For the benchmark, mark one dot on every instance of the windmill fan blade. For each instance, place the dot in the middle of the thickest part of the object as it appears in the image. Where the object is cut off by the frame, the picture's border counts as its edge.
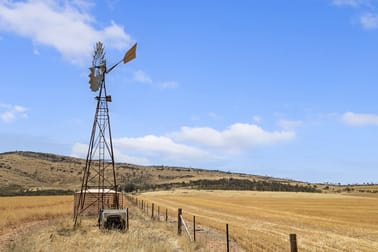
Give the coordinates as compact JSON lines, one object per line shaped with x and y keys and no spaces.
{"x":94,"y":80}
{"x":94,"y":86}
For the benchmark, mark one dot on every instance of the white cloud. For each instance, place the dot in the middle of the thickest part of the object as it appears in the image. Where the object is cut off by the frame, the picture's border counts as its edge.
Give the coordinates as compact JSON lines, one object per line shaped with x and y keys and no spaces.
{"x":142,"y":77}
{"x":256,"y":119}
{"x":10,"y":113}
{"x":289,"y":124}
{"x":353,"y":3}
{"x":238,"y":136}
{"x":354,"y":119}
{"x":161,"y":145}
{"x":369,"y":21}
{"x":192,"y":145}
{"x":121,"y":157}
{"x":169,"y":84}
{"x":36,"y":52}
{"x":80,"y":150}
{"x":214,"y":116}
{"x":63,"y":25}
{"x":112,"y":4}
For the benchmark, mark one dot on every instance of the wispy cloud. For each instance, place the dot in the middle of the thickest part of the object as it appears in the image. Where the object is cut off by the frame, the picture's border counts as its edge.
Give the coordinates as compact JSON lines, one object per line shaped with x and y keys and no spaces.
{"x":369,"y":17}
{"x":355,"y":119}
{"x":214,"y":116}
{"x":369,"y":20}
{"x":142,"y":77}
{"x":256,"y":118}
{"x":10,"y":113}
{"x":168,"y":84}
{"x":59,"y":24}
{"x":289,"y":124}
{"x":353,"y":3}
{"x":36,"y":52}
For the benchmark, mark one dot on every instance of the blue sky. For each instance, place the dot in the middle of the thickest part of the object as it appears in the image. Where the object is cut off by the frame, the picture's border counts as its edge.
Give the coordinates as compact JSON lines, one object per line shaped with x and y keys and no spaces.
{"x":279,"y":88}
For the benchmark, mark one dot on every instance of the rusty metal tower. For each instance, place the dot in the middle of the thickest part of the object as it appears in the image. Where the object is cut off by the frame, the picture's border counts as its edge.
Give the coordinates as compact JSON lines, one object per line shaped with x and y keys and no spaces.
{"x":99,"y":175}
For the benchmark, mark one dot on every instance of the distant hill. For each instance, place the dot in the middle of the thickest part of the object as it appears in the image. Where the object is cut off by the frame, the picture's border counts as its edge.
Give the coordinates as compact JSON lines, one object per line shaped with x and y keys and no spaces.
{"x":32,"y":173}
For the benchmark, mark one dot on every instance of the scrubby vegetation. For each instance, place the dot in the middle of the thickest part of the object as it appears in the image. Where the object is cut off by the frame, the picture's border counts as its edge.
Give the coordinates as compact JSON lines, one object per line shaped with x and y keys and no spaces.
{"x":225,"y":184}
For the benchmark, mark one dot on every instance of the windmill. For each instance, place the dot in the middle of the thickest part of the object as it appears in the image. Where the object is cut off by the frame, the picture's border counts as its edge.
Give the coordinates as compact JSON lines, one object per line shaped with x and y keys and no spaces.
{"x":99,"y":185}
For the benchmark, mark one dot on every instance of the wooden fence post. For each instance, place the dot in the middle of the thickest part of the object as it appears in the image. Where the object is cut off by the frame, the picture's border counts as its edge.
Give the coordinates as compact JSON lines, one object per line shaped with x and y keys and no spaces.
{"x":194,"y":228}
{"x":152,"y":210}
{"x":179,"y":222}
{"x":227,"y":239}
{"x":127,"y":219}
{"x":166,"y":215}
{"x":293,"y":243}
{"x":158,"y":216}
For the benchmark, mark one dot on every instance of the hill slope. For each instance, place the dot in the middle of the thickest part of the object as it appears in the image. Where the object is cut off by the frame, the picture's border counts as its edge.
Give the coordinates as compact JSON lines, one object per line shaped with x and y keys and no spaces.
{"x":31,"y":171}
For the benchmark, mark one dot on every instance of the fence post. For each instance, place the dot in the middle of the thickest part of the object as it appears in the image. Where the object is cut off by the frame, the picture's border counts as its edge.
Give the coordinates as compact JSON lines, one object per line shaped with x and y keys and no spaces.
{"x":179,"y":222}
{"x":158,"y":216}
{"x":228,"y":241}
{"x":194,"y":228}
{"x":127,"y":219}
{"x":142,"y":205}
{"x":147,"y":209}
{"x":166,"y":215}
{"x":152,"y":210}
{"x":293,"y":243}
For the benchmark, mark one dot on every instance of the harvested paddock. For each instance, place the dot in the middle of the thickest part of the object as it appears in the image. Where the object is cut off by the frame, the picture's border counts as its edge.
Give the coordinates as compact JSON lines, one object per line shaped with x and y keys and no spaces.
{"x":15,"y":211}
{"x":262,"y":221}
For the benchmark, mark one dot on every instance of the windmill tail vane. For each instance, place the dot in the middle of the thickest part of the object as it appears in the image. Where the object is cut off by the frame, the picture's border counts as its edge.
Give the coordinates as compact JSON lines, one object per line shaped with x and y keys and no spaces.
{"x":129,"y":56}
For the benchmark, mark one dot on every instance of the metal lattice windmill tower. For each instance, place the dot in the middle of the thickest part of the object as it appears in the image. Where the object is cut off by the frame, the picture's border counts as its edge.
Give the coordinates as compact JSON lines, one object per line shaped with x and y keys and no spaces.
{"x":99,"y":175}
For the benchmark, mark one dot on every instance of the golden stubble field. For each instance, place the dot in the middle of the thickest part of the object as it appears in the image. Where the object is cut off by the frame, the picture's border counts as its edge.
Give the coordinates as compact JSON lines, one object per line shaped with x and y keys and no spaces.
{"x":262,"y":221}
{"x":16,"y":211}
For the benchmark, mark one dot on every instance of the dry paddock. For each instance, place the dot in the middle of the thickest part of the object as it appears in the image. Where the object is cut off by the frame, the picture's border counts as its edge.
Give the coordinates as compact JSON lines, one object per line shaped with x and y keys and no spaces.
{"x":262,"y":221}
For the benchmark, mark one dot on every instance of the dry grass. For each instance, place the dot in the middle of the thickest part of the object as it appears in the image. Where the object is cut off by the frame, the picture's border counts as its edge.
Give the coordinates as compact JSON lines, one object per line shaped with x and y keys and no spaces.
{"x":14,"y":211}
{"x":59,"y":236}
{"x":262,"y":221}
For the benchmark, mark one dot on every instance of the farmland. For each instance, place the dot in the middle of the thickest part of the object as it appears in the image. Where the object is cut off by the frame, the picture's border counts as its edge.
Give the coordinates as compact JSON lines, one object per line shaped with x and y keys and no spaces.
{"x":44,"y":223}
{"x":262,"y":221}
{"x":341,"y":218}
{"x":258,"y":221}
{"x":18,"y":210}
